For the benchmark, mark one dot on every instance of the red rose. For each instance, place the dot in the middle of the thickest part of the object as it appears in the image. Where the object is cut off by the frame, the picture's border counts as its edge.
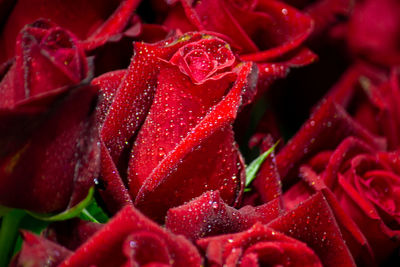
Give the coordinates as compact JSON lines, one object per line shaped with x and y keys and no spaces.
{"x":305,"y":236}
{"x":258,"y":246}
{"x":47,"y":124}
{"x":360,"y":109}
{"x":361,"y":104}
{"x":208,"y":215}
{"x":176,"y":103}
{"x":130,"y":239}
{"x":266,"y":32}
{"x":94,"y":22}
{"x":365,"y":183}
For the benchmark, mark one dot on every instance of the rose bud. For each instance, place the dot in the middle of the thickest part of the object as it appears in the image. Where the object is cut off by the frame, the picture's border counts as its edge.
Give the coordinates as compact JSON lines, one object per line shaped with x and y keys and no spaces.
{"x":131,"y":239}
{"x":94,"y":22}
{"x":47,"y":123}
{"x":306,"y":236}
{"x":269,"y":33}
{"x":172,"y":113}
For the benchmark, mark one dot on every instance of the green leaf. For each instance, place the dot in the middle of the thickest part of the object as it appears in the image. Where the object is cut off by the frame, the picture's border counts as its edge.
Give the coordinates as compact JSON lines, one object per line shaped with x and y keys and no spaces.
{"x":94,"y":213}
{"x":68,"y":214}
{"x":9,"y":233}
{"x":4,"y":210}
{"x":254,"y":166}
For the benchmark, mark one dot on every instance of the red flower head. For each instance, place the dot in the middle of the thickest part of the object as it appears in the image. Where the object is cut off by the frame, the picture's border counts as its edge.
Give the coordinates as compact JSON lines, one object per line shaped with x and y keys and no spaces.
{"x":177,"y":103}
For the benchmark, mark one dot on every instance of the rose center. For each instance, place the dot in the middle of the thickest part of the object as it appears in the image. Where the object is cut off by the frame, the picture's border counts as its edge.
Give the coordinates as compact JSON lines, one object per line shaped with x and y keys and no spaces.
{"x":199,"y":64}
{"x":382,"y":190}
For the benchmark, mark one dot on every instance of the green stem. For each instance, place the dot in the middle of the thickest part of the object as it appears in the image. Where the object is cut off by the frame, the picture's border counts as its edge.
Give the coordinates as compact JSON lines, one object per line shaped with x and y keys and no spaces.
{"x":8,"y":234}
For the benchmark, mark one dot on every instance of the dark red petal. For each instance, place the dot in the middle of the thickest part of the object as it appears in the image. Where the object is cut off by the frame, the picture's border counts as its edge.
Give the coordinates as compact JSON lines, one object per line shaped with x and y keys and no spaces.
{"x":313,"y":223}
{"x":114,"y":192}
{"x":347,"y":149}
{"x":375,"y":42}
{"x":50,"y":151}
{"x":105,"y":248}
{"x":144,"y":247}
{"x":208,"y":215}
{"x":135,"y":94}
{"x":355,"y":239}
{"x":224,"y":22}
{"x":269,"y":72}
{"x":288,"y":30}
{"x":327,"y":13}
{"x":108,"y":84}
{"x":259,"y":243}
{"x":113,"y":25}
{"x":382,"y":239}
{"x":36,"y":251}
{"x":325,"y":129}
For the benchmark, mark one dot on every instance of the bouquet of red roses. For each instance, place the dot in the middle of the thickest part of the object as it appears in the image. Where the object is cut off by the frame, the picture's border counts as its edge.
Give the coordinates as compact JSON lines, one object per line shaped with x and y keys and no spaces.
{"x":199,"y":133}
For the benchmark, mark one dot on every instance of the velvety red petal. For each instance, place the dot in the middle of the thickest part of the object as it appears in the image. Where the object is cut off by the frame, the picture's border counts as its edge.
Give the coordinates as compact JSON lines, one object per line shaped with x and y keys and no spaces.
{"x":108,"y":84}
{"x":269,"y":72}
{"x":355,"y":239}
{"x":327,"y":13}
{"x":113,"y":25}
{"x":325,"y":129}
{"x":135,"y":94}
{"x":288,"y":30}
{"x":208,"y":215}
{"x":114,"y":192}
{"x":258,"y":244}
{"x":105,"y":248}
{"x":312,"y":222}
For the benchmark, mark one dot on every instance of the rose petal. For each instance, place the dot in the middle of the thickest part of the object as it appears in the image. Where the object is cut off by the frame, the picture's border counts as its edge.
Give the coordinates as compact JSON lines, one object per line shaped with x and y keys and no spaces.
{"x":258,"y":244}
{"x":105,"y":248}
{"x":313,"y":223}
{"x":208,"y":215}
